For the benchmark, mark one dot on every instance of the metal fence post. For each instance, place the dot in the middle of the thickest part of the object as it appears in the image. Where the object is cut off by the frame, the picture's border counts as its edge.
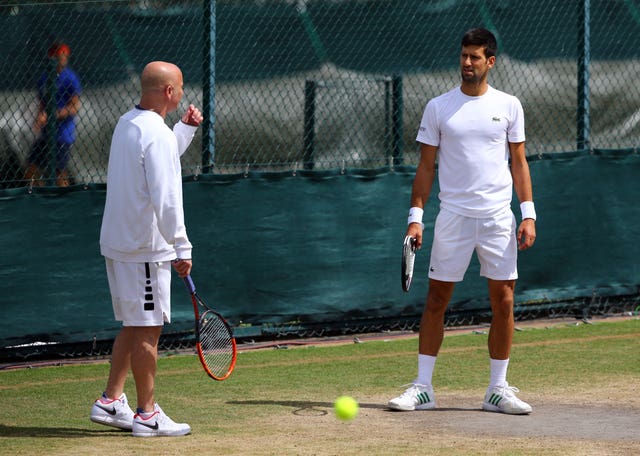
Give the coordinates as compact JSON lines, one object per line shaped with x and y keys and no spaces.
{"x":584,"y":62}
{"x":208,"y":85}
{"x":51,"y":128}
{"x":309,"y":137}
{"x":397,"y":119}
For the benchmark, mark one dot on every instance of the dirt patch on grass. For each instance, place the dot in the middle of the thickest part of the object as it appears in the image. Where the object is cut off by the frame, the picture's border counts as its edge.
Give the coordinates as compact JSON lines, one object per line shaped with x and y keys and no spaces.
{"x":591,"y":421}
{"x":457,"y":426}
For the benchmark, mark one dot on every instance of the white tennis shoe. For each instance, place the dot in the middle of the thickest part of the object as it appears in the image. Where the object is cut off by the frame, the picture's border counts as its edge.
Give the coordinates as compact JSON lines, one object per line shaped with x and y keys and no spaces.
{"x":503,"y":399}
{"x":112,"y":412}
{"x":416,"y":397}
{"x":157,"y":424}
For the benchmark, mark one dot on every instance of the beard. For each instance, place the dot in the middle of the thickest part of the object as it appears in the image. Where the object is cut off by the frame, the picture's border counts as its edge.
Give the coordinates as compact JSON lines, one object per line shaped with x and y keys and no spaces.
{"x":472,"y":78}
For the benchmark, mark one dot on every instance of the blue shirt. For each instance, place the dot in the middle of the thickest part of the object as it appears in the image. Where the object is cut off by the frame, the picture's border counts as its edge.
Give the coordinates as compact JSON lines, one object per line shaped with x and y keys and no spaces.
{"x":67,"y":86}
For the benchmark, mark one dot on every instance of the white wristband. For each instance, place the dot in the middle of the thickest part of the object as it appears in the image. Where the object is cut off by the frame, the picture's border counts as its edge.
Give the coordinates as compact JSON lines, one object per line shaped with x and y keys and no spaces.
{"x":415,"y":216}
{"x":528,"y":210}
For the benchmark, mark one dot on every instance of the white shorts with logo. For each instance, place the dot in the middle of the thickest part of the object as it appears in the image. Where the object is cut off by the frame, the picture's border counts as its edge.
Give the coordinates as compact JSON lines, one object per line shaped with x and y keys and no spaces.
{"x":140,"y":292}
{"x":456,"y":237}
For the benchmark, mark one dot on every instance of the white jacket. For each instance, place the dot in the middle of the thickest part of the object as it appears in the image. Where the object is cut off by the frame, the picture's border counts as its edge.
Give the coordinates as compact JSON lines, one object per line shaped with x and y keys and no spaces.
{"x":143,"y":218}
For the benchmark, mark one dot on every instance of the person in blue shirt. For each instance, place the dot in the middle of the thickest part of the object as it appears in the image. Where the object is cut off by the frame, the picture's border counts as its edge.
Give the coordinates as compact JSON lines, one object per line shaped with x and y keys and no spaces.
{"x":67,"y":105}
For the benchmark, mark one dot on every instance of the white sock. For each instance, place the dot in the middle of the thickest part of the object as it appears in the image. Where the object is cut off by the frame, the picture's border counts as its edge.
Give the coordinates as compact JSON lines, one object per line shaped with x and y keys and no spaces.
{"x":425,"y":369}
{"x":498,"y":372}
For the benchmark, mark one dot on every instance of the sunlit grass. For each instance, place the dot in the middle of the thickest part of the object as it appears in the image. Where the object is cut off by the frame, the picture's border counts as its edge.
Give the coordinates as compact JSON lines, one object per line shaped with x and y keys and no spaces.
{"x":45,"y":410}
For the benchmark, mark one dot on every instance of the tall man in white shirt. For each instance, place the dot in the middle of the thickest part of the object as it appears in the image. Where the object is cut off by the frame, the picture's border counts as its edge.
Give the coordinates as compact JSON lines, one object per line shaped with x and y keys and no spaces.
{"x":143,"y":234}
{"x":477,"y":134}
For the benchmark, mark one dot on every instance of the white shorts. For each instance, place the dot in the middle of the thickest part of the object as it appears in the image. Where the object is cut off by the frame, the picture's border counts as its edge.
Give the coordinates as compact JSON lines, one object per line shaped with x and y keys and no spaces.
{"x":140,"y":292}
{"x":456,"y":237}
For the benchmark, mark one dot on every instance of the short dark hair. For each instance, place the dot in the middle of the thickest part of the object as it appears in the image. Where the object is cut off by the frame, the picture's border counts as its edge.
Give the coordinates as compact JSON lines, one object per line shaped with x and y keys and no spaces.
{"x":481,"y":37}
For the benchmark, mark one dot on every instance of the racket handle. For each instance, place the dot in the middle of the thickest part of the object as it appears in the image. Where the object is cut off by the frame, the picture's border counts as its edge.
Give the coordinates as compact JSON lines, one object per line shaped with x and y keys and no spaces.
{"x":189,"y":284}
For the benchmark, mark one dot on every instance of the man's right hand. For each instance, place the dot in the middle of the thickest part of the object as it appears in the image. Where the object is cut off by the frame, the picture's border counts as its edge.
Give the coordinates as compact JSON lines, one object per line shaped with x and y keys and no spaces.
{"x":182,"y":267}
{"x":415,"y":231}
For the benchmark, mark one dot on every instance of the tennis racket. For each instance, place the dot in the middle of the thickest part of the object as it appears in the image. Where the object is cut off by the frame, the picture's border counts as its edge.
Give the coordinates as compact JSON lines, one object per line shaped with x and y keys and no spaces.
{"x":408,"y":259}
{"x":215,"y":343}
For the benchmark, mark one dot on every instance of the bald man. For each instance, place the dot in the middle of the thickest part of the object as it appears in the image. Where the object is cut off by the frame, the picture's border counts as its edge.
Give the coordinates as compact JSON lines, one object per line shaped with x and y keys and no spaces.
{"x":143,"y":235}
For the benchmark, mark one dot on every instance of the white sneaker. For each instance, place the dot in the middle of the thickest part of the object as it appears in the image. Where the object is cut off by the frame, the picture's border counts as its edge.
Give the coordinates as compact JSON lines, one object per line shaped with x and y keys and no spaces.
{"x":503,"y":399}
{"x":157,"y":424}
{"x":112,"y":412}
{"x":416,"y":397}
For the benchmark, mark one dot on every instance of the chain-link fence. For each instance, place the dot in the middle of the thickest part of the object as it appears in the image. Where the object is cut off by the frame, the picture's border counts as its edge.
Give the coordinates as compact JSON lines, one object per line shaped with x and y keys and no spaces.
{"x":311,"y":84}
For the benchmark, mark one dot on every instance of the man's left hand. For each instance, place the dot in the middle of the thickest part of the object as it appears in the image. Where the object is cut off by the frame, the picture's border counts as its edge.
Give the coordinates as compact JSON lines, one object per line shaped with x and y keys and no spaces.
{"x":526,"y":234}
{"x":192,"y":116}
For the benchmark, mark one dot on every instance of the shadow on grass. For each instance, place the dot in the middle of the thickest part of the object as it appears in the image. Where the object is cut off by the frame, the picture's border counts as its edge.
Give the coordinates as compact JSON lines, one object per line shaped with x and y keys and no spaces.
{"x":56,"y":432}
{"x":321,"y":408}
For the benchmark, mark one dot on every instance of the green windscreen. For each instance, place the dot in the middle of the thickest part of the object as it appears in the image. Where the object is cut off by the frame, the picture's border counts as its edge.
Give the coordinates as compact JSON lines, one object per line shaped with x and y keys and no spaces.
{"x":283,"y":252}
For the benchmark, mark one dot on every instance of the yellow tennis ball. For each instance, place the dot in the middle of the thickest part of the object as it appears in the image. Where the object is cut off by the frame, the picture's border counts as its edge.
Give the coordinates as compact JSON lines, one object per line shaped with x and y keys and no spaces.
{"x":346,"y":408}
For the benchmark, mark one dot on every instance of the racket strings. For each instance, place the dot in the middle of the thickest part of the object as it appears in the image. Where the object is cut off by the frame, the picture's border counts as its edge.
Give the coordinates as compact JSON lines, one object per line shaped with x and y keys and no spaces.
{"x":409,"y":254}
{"x":216,"y":344}
{"x":411,"y":258}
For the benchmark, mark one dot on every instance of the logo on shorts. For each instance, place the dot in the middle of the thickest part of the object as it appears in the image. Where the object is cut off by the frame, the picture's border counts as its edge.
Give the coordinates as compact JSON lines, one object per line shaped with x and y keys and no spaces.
{"x":495,"y":119}
{"x":431,"y":268}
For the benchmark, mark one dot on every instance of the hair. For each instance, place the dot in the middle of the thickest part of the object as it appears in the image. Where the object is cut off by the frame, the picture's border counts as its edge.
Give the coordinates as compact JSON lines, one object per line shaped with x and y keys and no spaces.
{"x":481,"y":37}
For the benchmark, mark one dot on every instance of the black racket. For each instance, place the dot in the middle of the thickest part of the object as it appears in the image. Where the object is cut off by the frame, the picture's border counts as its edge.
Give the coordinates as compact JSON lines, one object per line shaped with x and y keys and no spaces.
{"x":215,"y":343}
{"x":408,"y":259}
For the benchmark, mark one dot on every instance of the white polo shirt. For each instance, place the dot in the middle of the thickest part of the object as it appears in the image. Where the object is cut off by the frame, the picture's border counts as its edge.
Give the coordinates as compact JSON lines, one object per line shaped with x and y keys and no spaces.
{"x":473,"y":136}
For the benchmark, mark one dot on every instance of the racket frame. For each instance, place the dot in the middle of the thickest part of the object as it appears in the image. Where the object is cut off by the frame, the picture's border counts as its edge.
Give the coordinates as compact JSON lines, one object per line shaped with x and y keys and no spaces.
{"x":408,"y":261}
{"x":197,"y":301}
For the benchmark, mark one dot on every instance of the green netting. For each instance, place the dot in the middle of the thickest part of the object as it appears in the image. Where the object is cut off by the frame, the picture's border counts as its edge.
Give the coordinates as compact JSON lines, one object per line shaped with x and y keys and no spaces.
{"x":281,"y":253}
{"x":304,"y":165}
{"x":249,"y":64}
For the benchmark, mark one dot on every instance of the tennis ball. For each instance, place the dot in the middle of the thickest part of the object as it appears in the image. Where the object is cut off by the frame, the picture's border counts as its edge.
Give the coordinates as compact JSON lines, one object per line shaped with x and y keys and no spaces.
{"x":346,"y":408}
